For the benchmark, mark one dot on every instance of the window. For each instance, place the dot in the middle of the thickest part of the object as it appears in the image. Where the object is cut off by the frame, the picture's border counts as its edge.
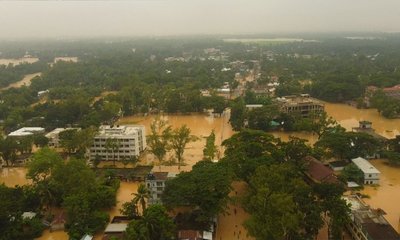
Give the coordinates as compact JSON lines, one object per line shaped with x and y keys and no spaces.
{"x":370,"y":175}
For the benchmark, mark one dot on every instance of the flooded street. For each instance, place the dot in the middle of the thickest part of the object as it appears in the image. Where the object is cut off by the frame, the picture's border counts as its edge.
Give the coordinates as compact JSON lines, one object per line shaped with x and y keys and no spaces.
{"x":387,"y":194}
{"x":230,"y":224}
{"x":26,"y":81}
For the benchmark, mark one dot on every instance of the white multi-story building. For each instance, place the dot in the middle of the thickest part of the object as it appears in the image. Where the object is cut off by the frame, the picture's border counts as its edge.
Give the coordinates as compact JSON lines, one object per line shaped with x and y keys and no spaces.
{"x":26,"y":131}
{"x":118,"y":142}
{"x":371,"y":174}
{"x":155,"y":182}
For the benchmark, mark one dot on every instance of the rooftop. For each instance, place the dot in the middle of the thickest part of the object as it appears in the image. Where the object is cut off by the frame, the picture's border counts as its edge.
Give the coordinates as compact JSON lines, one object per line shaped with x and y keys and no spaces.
{"x":26,"y":131}
{"x":116,"y":227}
{"x":299,"y":99}
{"x":57,"y":131}
{"x":372,"y":220}
{"x":317,"y":171}
{"x":119,"y":130}
{"x":365,"y":166}
{"x":160,"y":175}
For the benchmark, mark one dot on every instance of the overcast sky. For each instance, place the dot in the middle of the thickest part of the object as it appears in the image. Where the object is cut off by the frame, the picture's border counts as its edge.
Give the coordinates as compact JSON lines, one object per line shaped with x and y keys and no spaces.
{"x":19,"y":19}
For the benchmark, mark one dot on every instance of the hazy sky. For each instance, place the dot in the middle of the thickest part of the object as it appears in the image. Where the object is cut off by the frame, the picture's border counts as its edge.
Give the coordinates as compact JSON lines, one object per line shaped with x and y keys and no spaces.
{"x":20,"y":19}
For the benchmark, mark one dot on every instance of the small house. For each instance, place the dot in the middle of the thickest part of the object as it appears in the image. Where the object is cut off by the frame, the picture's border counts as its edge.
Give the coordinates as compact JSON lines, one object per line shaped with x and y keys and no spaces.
{"x":371,"y":174}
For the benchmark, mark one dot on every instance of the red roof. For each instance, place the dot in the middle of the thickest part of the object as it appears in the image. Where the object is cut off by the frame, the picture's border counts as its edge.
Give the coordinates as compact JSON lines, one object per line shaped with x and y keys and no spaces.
{"x":318,"y":172}
{"x":189,"y":235}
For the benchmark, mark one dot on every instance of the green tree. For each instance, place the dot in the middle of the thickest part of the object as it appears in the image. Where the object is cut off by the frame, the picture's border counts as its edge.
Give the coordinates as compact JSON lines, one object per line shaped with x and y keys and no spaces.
{"x":42,"y":164}
{"x":205,"y":190}
{"x":67,"y":140}
{"x":347,"y":145}
{"x":129,"y":209}
{"x":179,"y":139}
{"x":281,"y":204}
{"x":352,"y":173}
{"x":112,"y":145}
{"x":158,"y":139}
{"x":142,"y":195}
{"x":96,"y":160}
{"x":154,"y":225}
{"x":238,"y":114}
{"x":261,"y":118}
{"x":210,"y":150}
{"x":8,"y":149}
{"x":295,"y":150}
{"x":40,"y":140}
{"x":247,"y":150}
{"x":335,"y":209}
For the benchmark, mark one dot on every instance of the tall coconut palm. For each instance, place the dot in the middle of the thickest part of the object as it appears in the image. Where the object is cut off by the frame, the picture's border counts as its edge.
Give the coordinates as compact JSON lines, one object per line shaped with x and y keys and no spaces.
{"x":141,"y":196}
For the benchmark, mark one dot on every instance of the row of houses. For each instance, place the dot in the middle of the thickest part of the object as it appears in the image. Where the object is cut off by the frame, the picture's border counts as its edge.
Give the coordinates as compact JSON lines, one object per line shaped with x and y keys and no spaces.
{"x":366,"y":223}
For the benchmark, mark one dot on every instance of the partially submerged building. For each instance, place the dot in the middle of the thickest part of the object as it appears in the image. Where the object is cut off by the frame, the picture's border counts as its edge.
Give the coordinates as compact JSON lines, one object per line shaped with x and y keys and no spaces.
{"x":367,"y":223}
{"x":366,"y":127}
{"x":155,"y":182}
{"x":371,"y":174}
{"x":302,"y":105}
{"x":118,"y":142}
{"x":115,"y":231}
{"x":317,"y":172}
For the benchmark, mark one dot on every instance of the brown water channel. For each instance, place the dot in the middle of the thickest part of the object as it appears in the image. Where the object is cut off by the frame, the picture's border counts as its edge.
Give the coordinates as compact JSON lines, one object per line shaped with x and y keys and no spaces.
{"x":230,"y":225}
{"x":26,"y":81}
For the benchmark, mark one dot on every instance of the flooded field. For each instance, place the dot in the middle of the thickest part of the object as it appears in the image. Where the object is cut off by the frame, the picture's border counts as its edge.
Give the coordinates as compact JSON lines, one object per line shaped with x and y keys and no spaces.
{"x":17,"y":61}
{"x":349,"y":116}
{"x":387,"y":194}
{"x":200,"y":125}
{"x":26,"y":81}
{"x":13,"y":176}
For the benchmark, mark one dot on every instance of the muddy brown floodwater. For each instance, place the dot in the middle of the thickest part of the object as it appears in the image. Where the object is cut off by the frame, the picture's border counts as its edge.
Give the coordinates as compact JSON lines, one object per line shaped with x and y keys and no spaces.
{"x":200,"y":125}
{"x":26,"y":81}
{"x":349,"y":116}
{"x":230,"y":225}
{"x":387,"y":194}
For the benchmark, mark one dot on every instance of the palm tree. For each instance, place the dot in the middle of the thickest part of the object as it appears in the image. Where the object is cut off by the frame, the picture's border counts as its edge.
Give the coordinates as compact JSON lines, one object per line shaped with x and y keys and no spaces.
{"x":141,"y":196}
